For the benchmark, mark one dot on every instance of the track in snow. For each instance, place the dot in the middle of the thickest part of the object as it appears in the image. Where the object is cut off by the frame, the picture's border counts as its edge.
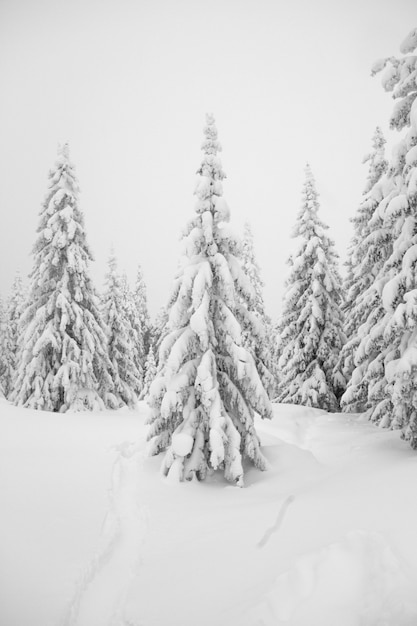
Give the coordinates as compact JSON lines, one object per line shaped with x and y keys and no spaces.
{"x":101,"y":594}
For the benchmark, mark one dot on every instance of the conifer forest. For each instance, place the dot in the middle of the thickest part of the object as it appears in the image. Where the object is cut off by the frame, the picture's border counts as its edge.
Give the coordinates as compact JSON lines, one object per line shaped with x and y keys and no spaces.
{"x":313,"y":411}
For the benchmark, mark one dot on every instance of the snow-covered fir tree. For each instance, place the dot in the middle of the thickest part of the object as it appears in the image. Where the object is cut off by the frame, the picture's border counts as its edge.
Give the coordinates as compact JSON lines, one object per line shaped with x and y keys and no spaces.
{"x":366,"y":353}
{"x":310,"y":328}
{"x":368,"y":250}
{"x":261,"y":345}
{"x":158,"y":331}
{"x":63,"y":361}
{"x":393,"y":398}
{"x":204,"y":398}
{"x":4,"y":350}
{"x":10,"y":337}
{"x":377,"y":166}
{"x":135,"y":330}
{"x":141,"y":303}
{"x":252,"y":269}
{"x":126,"y":376}
{"x":377,"y":162}
{"x":150,"y":374}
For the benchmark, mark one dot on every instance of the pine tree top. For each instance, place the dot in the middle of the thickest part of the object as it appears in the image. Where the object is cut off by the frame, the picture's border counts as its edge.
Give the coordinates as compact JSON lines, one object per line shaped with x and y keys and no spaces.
{"x":308,"y":221}
{"x":63,"y":176}
{"x":211,"y":171}
{"x":378,"y":164}
{"x":211,"y":145}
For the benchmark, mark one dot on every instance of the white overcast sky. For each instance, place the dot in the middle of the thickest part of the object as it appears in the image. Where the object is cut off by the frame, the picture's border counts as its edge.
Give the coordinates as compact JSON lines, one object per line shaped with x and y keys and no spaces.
{"x":128,"y":83}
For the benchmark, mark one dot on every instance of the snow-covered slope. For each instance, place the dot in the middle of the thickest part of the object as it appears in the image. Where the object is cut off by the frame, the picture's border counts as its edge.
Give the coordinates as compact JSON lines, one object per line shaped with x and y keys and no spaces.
{"x":92,"y":535}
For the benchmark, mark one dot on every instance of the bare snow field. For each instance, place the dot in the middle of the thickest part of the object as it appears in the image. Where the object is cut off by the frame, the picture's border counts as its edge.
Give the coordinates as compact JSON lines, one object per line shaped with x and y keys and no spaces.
{"x":92,"y":535}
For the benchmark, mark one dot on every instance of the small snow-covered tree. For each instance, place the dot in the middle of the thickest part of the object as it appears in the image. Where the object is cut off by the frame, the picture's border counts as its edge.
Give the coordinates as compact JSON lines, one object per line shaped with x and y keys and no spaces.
{"x":261,"y":345}
{"x":204,"y":398}
{"x":141,"y":303}
{"x":158,"y":331}
{"x":10,"y":338}
{"x":310,"y":328}
{"x":4,"y":350}
{"x":63,"y":361}
{"x":395,"y":366}
{"x":369,"y":248}
{"x":377,"y":166}
{"x":135,"y":331}
{"x":251,"y":268}
{"x":126,"y":377}
{"x":150,"y":374}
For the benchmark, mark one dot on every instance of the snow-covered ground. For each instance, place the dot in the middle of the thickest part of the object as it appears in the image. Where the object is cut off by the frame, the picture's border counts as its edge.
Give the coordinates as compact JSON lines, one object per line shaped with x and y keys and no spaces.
{"x":92,"y":535}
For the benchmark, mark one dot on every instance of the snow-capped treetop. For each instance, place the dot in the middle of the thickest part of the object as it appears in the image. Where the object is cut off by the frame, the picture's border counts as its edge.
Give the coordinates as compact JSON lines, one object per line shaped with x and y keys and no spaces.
{"x":141,"y":300}
{"x":251,"y":267}
{"x":308,"y":222}
{"x":63,"y":177}
{"x":310,"y":228}
{"x":211,"y":146}
{"x":63,"y":150}
{"x":378,"y":164}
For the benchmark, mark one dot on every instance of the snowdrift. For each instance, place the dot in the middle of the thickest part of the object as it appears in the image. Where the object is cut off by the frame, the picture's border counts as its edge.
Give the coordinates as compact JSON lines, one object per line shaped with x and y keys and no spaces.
{"x":93,"y":535}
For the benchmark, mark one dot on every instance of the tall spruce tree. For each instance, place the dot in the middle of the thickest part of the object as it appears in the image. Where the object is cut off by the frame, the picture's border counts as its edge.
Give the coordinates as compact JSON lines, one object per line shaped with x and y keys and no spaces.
{"x":63,"y":361}
{"x":261,"y":345}
{"x":366,"y":385}
{"x":207,"y":390}
{"x":126,"y":376}
{"x":393,"y":399}
{"x":368,"y":248}
{"x":310,"y":328}
{"x":377,"y":166}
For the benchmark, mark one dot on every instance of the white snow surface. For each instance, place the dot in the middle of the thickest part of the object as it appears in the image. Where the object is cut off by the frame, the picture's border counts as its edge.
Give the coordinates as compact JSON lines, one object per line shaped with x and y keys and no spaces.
{"x":91,"y":533}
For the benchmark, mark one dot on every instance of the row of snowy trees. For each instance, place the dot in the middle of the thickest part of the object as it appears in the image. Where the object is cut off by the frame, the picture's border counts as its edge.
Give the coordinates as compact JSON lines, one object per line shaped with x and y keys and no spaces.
{"x":369,"y":359}
{"x":62,"y":347}
{"x":218,"y":361}
{"x":74,"y":352}
{"x":62,"y":301}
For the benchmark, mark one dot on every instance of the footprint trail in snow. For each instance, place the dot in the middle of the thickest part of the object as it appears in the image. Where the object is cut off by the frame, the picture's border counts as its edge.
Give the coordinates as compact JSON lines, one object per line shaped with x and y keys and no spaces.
{"x":102,"y":591}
